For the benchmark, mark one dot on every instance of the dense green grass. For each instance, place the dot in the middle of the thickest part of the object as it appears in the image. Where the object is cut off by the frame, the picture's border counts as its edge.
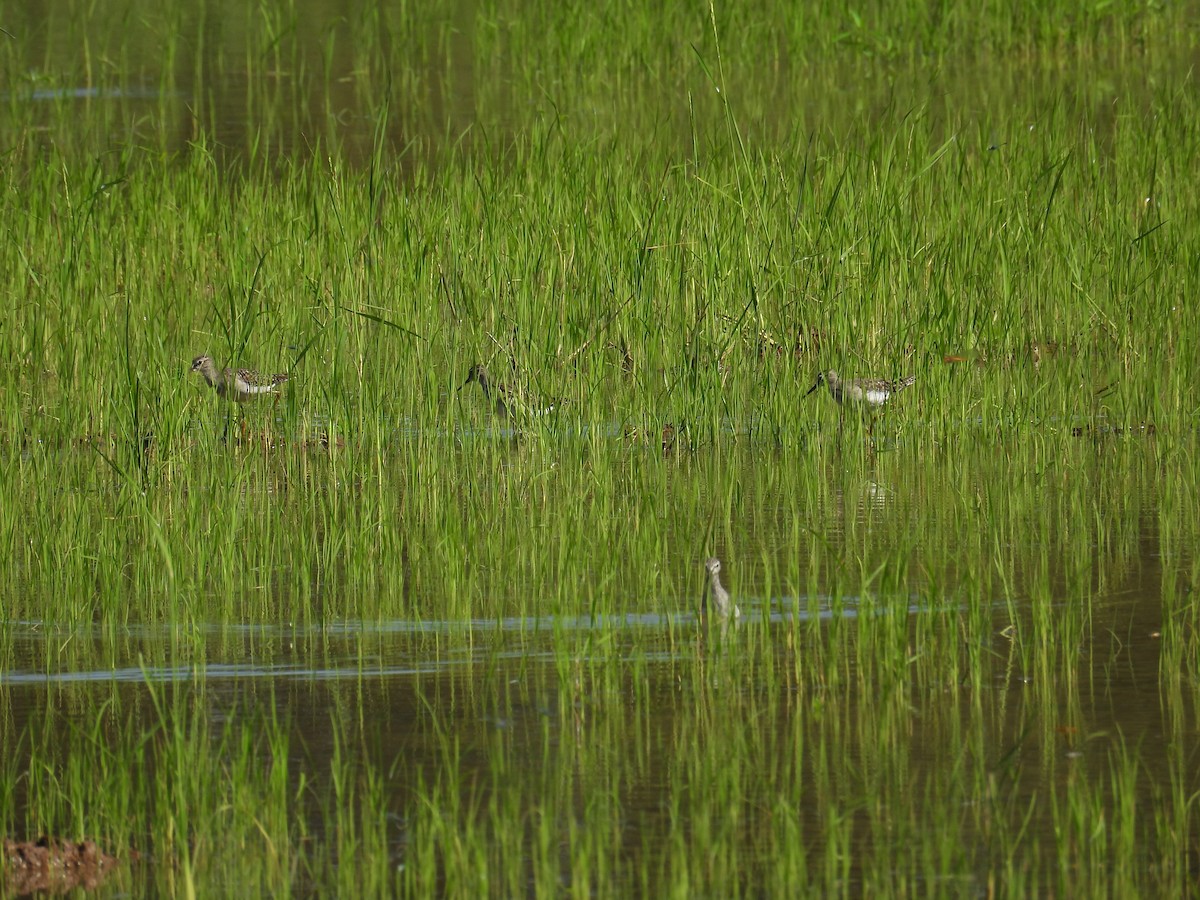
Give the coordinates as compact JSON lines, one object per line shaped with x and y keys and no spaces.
{"x":878,"y":258}
{"x":368,"y":640}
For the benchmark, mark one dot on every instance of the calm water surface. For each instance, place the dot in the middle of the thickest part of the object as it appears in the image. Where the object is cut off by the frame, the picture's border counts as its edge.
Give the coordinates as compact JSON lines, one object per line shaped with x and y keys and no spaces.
{"x":503,"y":678}
{"x":302,"y":86}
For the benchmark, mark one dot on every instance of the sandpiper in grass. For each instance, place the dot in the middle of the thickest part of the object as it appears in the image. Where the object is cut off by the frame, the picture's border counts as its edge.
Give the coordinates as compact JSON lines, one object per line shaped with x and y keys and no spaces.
{"x":507,"y":402}
{"x":869,"y":392}
{"x":239,"y":385}
{"x":725,"y":608}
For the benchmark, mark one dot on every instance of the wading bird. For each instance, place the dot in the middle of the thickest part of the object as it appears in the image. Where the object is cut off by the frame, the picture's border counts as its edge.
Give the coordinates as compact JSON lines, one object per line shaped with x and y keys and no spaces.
{"x":725,"y":607}
{"x":507,"y":402}
{"x":239,"y":385}
{"x":869,"y":392}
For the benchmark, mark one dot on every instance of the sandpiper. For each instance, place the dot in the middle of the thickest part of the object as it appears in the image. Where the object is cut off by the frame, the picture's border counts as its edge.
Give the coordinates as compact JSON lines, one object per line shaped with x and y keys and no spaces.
{"x":508,"y":402}
{"x":725,"y":607}
{"x":870,"y":392}
{"x":237,"y":384}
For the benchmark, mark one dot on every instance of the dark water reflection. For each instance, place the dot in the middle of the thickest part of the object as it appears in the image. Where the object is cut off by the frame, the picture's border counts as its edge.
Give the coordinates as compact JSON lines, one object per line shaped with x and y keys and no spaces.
{"x":794,"y":670}
{"x":313,"y":79}
{"x":478,"y":682}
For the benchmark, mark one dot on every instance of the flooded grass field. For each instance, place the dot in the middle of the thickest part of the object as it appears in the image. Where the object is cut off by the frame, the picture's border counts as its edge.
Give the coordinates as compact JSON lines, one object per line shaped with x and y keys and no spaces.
{"x":388,"y":627}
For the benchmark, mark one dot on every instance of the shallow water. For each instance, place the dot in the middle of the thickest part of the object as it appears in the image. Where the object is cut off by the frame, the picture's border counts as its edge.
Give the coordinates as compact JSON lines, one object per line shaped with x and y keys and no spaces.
{"x":285,"y":87}
{"x":479,"y":679}
{"x":967,"y":657}
{"x":381,"y":650}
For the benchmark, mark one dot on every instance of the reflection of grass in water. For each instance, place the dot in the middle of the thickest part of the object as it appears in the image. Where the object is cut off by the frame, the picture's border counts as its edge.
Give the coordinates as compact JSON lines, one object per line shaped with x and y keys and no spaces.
{"x":863,"y":753}
{"x":765,"y":746}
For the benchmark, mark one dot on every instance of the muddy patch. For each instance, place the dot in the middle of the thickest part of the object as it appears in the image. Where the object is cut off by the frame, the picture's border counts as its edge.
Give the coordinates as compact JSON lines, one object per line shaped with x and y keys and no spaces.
{"x":55,"y":866}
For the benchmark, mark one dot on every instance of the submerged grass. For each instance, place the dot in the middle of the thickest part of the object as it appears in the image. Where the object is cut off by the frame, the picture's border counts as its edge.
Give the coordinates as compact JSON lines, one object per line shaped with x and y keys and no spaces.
{"x":367,"y":639}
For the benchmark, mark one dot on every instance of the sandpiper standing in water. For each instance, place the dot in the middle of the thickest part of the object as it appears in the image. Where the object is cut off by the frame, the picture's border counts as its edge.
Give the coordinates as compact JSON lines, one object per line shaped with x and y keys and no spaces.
{"x":725,"y":608}
{"x":866,"y":393}
{"x":239,"y":385}
{"x":869,"y":392}
{"x":508,"y":403}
